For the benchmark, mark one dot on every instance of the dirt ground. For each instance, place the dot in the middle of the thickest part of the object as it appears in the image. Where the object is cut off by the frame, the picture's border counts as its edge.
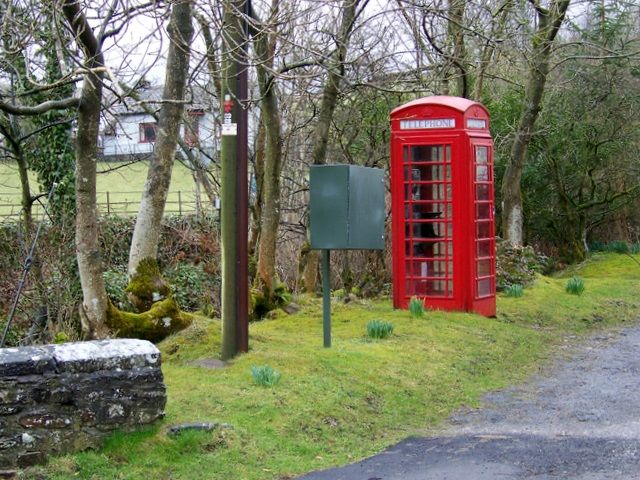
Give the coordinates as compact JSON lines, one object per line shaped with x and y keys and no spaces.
{"x":579,"y":420}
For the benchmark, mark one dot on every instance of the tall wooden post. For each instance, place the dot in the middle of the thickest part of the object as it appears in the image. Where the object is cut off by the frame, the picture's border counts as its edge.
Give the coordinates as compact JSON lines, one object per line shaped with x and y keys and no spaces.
{"x":234,"y":191}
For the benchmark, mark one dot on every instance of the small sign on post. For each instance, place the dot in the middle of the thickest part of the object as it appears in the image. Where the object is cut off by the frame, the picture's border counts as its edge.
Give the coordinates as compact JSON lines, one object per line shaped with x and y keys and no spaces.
{"x":347,"y":212}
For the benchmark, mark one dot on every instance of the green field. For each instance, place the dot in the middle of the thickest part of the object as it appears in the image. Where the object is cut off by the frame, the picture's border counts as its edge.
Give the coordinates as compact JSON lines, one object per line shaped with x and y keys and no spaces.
{"x":335,"y":406}
{"x":119,"y":189}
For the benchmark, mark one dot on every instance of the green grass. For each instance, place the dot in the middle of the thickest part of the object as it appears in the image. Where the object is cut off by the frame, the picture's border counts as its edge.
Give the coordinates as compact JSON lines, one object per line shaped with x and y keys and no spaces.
{"x":338,"y":405}
{"x":265,"y":375}
{"x":515,"y":290}
{"x":416,"y":307}
{"x":575,"y":286}
{"x":124,"y":185}
{"x":379,"y":329}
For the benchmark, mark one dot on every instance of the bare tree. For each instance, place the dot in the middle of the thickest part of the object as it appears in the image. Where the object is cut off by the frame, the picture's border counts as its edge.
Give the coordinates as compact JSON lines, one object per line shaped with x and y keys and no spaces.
{"x":549,"y":20}
{"x":335,"y":72}
{"x":146,"y":234}
{"x":95,"y":304}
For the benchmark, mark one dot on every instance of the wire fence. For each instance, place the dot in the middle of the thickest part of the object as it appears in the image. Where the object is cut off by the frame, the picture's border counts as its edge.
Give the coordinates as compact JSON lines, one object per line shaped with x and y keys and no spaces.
{"x":118,"y":203}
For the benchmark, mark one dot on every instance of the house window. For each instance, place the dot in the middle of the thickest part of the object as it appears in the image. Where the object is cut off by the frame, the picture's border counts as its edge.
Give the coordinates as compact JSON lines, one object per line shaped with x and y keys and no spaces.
{"x":148,"y":132}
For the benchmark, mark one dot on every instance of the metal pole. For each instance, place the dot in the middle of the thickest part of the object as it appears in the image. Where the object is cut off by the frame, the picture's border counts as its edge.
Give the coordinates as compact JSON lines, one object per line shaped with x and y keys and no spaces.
{"x":326,"y":297}
{"x":242,"y":195}
{"x":25,"y":270}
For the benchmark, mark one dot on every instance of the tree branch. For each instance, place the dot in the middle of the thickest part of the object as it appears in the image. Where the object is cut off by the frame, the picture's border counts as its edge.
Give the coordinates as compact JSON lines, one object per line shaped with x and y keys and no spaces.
{"x":63,"y":104}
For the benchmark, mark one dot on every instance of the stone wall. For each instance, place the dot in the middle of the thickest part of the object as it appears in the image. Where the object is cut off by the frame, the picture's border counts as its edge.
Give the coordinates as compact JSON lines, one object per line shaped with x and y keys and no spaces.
{"x":62,"y":398}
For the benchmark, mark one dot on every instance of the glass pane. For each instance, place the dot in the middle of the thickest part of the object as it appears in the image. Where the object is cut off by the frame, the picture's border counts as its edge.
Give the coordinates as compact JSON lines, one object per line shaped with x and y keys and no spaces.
{"x":440,"y":249}
{"x":440,"y":228}
{"x":448,"y":153}
{"x":482,"y":191}
{"x":481,"y":154}
{"x":484,"y":287}
{"x":484,"y":268}
{"x":448,"y":211}
{"x":484,"y":249}
{"x":435,"y":172}
{"x":482,"y":173}
{"x":436,"y":288}
{"x":427,"y":153}
{"x":422,"y":249}
{"x":416,"y":287}
{"x":483,"y":230}
{"x":405,"y":154}
{"x":449,"y":289}
{"x":483,"y":211}
{"x":425,"y":230}
{"x":426,"y":268}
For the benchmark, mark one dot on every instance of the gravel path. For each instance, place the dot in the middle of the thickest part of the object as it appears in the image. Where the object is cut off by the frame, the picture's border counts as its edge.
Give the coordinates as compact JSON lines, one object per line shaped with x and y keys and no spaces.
{"x":580,"y":421}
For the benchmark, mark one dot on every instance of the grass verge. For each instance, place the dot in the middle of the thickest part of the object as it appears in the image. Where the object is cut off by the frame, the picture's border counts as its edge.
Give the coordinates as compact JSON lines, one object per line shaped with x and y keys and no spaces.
{"x":334,"y":406}
{"x":123,"y":182}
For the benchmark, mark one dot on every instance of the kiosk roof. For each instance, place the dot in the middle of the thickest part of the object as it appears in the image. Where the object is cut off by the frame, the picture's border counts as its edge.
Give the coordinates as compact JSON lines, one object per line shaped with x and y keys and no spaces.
{"x":457,"y":103}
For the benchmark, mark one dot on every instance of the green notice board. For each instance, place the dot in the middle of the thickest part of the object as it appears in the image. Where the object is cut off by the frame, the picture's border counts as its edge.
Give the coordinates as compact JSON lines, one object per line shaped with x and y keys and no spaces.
{"x":347,"y":208}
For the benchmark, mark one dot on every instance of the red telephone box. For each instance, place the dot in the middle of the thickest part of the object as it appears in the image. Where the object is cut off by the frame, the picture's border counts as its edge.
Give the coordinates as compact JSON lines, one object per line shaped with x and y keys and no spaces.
{"x":443,"y":205}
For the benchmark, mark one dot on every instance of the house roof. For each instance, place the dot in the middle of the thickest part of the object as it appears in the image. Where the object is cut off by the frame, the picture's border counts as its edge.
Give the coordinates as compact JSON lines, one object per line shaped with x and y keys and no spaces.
{"x":197,"y":99}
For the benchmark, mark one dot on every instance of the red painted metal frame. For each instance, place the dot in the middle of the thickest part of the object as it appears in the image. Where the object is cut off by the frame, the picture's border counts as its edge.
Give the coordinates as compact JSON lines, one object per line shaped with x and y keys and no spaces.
{"x":443,"y":225}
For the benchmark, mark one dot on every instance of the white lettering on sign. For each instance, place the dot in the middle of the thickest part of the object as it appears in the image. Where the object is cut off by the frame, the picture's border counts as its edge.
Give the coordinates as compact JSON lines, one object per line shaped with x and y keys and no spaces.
{"x":426,"y":124}
{"x":230,"y":129}
{"x":476,"y":123}
{"x":227,"y":118}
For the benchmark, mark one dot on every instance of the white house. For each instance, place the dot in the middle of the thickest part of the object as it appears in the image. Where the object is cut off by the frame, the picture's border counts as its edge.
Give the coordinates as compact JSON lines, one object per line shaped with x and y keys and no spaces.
{"x":130,"y":132}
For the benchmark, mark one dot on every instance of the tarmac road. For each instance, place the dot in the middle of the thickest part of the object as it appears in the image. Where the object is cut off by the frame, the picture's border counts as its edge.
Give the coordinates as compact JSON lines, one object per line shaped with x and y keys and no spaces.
{"x":580,"y":421}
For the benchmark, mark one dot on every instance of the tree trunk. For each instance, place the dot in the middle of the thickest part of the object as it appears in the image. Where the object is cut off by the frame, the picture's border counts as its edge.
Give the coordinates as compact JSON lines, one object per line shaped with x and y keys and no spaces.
{"x":267,"y":279}
{"x":146,"y":233}
{"x":93,"y":311}
{"x":461,"y":78}
{"x":549,"y":22}
{"x":498,"y":26}
{"x":256,"y":209}
{"x":321,"y":134}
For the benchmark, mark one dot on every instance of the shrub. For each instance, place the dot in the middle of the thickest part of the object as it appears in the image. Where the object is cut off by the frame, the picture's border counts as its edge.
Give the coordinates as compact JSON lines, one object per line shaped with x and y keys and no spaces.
{"x":635,"y":248}
{"x":597,"y":246}
{"x":515,"y":290}
{"x":261,"y":305}
{"x":416,"y":307}
{"x":115,"y":282}
{"x":575,"y":286}
{"x":518,"y":265}
{"x":618,"y":246}
{"x":264,"y":375}
{"x":379,"y":329}
{"x":13,"y":335}
{"x":190,"y":284}
{"x":61,"y":337}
